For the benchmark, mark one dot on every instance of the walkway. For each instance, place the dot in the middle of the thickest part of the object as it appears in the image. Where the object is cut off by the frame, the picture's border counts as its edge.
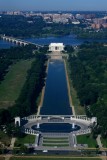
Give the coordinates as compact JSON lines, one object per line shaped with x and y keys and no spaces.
{"x":101,"y":146}
{"x":99,"y":141}
{"x":12,"y":142}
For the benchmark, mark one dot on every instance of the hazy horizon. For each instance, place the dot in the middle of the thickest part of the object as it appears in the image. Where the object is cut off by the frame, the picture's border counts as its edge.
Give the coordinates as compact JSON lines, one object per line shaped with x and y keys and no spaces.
{"x":53,"y":5}
{"x":55,"y":10}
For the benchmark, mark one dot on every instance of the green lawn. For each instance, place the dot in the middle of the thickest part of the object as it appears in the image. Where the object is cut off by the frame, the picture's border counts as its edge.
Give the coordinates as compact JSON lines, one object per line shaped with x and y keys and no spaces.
{"x":104,"y":142}
{"x":25,"y":139}
{"x":56,"y":144}
{"x":36,"y":158}
{"x":79,"y":110}
{"x":13,"y":82}
{"x":56,"y":138}
{"x":54,"y":141}
{"x":4,"y":138}
{"x":87,"y":139}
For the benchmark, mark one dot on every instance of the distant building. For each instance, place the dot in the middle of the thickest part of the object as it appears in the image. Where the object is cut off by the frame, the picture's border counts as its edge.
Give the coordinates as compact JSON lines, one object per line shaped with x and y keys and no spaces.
{"x":99,"y":20}
{"x":96,"y":26}
{"x":79,"y":16}
{"x":75,"y":22}
{"x":89,"y":16}
{"x":93,"y":25}
{"x":56,"y":47}
{"x":60,"y":20}
{"x":104,"y":25}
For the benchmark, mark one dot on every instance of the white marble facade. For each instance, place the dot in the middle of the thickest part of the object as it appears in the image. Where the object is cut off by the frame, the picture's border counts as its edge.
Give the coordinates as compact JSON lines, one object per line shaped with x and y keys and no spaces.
{"x":54,"y":47}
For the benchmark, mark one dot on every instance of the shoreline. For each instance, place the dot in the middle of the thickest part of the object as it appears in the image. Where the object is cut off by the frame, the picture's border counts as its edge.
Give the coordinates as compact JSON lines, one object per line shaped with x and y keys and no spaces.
{"x":68,"y":87}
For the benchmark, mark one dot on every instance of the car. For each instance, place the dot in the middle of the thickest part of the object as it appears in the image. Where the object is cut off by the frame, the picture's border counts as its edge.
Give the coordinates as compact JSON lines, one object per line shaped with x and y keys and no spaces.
{"x":55,"y":146}
{"x":35,"y":153}
{"x":22,"y":153}
{"x":45,"y":151}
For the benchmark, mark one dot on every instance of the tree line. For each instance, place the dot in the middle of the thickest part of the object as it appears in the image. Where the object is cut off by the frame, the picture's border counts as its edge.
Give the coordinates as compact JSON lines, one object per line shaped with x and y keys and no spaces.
{"x":20,"y":26}
{"x":26,"y":103}
{"x":88,"y":71}
{"x":35,"y":26}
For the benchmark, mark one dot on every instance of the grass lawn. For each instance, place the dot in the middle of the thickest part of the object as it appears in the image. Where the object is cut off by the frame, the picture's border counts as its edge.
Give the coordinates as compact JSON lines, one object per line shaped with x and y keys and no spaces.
{"x":79,"y":110}
{"x":104,"y":142}
{"x":4,"y":138}
{"x":13,"y":82}
{"x":55,"y":139}
{"x":25,"y":139}
{"x":56,"y":144}
{"x":86,"y":139}
{"x":52,"y":141}
{"x":36,"y":158}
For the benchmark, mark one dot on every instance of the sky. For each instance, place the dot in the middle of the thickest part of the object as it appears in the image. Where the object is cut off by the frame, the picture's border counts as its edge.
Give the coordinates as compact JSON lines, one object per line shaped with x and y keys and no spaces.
{"x":43,"y":5}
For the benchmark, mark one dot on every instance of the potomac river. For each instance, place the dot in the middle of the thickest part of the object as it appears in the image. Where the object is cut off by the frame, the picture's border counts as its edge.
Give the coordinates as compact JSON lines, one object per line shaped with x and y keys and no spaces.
{"x":67,"y":40}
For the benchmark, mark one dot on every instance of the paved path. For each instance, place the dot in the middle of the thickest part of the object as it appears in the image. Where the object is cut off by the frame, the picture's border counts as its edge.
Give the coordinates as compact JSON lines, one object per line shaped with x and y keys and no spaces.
{"x":100,"y":146}
{"x":60,"y":157}
{"x":12,"y":142}
{"x":99,"y":141}
{"x":7,"y":157}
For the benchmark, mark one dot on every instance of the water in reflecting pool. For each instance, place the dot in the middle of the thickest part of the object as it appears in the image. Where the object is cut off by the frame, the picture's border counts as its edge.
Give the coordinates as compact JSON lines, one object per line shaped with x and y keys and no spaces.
{"x":56,"y":127}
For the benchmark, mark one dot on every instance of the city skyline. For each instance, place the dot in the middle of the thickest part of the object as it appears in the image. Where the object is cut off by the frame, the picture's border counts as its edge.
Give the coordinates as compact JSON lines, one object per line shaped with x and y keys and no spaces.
{"x":48,"y":5}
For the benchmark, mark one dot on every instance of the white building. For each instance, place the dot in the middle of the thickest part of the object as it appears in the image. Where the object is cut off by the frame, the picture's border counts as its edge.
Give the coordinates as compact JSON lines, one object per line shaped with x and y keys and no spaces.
{"x":53,"y":47}
{"x":75,"y":22}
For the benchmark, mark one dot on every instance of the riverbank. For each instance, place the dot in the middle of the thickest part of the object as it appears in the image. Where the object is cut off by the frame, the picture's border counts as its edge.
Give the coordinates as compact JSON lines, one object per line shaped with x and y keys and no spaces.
{"x":67,"y":40}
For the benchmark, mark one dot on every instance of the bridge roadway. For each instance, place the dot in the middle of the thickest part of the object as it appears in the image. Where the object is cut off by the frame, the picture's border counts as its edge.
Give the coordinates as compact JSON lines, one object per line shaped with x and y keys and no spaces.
{"x":18,"y":41}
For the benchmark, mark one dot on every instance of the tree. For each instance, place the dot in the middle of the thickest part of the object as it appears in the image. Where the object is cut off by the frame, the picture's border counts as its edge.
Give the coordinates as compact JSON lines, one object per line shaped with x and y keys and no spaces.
{"x":23,"y":149}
